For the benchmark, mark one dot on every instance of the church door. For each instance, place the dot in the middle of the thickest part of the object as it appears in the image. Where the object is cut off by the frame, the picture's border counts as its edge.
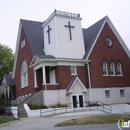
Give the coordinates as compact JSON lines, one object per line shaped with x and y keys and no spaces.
{"x":74,"y":98}
{"x":80,"y":100}
{"x":77,"y":101}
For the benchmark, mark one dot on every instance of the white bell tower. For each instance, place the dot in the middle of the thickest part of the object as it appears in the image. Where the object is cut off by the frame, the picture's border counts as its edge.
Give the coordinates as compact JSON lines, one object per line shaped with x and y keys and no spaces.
{"x":63,"y":37}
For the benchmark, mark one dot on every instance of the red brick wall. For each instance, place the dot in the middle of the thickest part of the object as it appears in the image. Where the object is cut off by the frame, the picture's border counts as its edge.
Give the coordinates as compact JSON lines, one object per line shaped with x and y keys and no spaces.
{"x":64,"y":77}
{"x":114,"y":53}
{"x":24,"y":54}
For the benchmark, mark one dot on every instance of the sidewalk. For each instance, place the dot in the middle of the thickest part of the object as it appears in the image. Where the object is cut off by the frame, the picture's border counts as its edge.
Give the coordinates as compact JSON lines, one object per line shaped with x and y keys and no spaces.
{"x":46,"y":123}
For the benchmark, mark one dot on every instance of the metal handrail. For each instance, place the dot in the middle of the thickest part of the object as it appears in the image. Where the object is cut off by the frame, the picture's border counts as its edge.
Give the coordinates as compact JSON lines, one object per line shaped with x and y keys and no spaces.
{"x":87,"y":105}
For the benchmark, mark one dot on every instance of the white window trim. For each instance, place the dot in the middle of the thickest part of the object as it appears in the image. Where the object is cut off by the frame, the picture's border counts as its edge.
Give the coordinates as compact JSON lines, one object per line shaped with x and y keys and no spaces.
{"x":22,"y":43}
{"x":106,"y":68}
{"x":75,"y":70}
{"x":24,"y":75}
{"x":120,"y":69}
{"x":113,"y":69}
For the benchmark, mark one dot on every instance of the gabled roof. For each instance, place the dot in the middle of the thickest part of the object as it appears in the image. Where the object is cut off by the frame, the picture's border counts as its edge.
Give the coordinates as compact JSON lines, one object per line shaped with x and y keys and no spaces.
{"x":8,"y":79}
{"x":70,"y":86}
{"x":34,"y":35}
{"x":90,"y":35}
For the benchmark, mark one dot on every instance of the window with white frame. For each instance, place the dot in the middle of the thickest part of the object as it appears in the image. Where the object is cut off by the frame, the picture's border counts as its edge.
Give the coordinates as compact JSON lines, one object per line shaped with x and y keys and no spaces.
{"x":73,"y":70}
{"x":22,"y":43}
{"x":112,"y":68}
{"x":122,"y":93}
{"x":119,"y":68}
{"x":107,"y":93}
{"x":104,"y":67}
{"x":24,"y":74}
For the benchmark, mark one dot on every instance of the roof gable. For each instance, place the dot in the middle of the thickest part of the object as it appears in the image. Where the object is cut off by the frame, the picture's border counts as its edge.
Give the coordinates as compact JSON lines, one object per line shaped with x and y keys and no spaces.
{"x":90,"y":43}
{"x":8,"y":79}
{"x":90,"y":35}
{"x":34,"y":34}
{"x":71,"y":85}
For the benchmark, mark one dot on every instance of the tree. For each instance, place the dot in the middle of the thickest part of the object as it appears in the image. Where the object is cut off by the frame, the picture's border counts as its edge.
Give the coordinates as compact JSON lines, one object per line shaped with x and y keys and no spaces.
{"x":6,"y":60}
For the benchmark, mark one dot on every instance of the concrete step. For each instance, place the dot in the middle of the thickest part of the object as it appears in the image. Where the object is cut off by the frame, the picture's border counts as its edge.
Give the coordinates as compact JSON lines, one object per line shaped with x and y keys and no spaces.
{"x":21,"y":111}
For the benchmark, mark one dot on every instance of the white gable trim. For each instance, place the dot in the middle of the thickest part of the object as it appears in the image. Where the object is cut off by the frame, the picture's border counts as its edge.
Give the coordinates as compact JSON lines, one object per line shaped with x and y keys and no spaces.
{"x":116,"y":34}
{"x":77,"y":79}
{"x":34,"y":60}
{"x":16,"y":50}
{"x":96,"y":39}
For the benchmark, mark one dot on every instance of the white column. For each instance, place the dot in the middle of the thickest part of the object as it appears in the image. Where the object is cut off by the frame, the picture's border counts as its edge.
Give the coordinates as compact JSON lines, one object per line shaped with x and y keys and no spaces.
{"x":5,"y":91}
{"x":89,"y":79}
{"x":44,"y":83}
{"x":35,"y":79}
{"x":44,"y":75}
{"x":8,"y":92}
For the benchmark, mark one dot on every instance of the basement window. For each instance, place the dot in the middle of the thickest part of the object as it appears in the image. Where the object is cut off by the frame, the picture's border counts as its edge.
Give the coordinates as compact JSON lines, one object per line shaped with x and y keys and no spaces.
{"x":122,"y":93}
{"x":107,"y":93}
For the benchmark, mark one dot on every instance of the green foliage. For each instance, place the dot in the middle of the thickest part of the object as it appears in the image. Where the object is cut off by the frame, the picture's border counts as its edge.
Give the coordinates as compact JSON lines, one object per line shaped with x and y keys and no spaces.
{"x":34,"y":107}
{"x":59,"y":105}
{"x":6,"y":60}
{"x":6,"y":119}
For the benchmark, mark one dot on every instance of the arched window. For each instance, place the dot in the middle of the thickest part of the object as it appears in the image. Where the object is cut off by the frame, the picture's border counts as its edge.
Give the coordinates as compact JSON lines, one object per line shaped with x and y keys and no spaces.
{"x":119,"y":68}
{"x":24,"y":74}
{"x":104,"y":67}
{"x":112,"y":68}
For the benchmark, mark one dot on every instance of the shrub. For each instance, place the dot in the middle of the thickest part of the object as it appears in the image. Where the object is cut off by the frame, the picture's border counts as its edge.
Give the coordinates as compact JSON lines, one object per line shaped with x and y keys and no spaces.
{"x":58,"y":105}
{"x":34,"y":107}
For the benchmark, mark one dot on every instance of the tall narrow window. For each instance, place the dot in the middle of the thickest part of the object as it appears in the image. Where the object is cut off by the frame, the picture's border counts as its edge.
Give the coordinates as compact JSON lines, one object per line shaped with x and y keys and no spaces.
{"x":119,"y":68}
{"x":24,"y":74}
{"x":112,"y":68}
{"x":104,"y":67}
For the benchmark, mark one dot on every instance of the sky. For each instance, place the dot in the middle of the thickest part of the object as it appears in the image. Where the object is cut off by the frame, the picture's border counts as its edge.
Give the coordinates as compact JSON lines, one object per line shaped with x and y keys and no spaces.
{"x":11,"y":11}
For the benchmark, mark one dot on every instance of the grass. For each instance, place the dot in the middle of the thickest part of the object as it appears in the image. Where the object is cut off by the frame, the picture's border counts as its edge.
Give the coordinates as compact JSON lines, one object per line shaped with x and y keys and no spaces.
{"x":94,"y":120}
{"x":6,"y":119}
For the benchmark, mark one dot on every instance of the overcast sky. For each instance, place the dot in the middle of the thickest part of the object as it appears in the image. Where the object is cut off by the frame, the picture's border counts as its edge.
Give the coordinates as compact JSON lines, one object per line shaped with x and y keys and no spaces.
{"x":11,"y":11}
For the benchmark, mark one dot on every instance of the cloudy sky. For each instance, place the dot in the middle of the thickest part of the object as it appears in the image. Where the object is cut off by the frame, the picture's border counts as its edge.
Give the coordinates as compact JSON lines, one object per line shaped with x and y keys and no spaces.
{"x":11,"y":11}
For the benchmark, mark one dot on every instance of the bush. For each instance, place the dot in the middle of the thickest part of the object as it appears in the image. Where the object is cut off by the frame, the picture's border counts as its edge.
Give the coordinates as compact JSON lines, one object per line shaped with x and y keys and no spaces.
{"x":92,"y":104}
{"x":34,"y":107}
{"x":59,"y":105}
{"x":2,"y":96}
{"x":2,"y":109}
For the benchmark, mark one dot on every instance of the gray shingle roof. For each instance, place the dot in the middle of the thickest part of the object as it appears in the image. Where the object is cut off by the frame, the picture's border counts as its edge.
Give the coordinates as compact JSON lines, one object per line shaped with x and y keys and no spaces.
{"x":34,"y":34}
{"x":90,"y":35}
{"x":71,"y":83}
{"x":9,"y":79}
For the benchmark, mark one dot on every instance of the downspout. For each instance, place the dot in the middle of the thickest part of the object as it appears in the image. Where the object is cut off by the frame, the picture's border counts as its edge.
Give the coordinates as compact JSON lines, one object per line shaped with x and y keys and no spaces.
{"x":89,"y":80}
{"x":44,"y":82}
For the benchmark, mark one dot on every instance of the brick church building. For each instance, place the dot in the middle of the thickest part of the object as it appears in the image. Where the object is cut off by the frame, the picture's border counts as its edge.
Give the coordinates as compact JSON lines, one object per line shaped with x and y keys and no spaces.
{"x":71,"y":64}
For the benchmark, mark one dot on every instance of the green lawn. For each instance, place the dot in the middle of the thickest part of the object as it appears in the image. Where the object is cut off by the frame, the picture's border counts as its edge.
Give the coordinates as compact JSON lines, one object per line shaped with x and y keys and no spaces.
{"x":6,"y":119}
{"x":94,"y":120}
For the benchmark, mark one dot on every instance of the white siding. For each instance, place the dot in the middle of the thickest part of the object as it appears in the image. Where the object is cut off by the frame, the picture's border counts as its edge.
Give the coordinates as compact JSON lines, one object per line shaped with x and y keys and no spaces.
{"x":61,"y":46}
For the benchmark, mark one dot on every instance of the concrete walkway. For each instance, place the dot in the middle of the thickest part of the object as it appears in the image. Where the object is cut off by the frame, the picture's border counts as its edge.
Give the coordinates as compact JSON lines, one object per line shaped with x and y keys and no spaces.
{"x":45,"y":123}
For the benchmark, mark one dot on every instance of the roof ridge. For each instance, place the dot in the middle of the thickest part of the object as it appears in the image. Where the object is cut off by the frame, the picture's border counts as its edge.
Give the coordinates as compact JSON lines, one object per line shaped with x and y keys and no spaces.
{"x":30,"y":20}
{"x":96,"y":22}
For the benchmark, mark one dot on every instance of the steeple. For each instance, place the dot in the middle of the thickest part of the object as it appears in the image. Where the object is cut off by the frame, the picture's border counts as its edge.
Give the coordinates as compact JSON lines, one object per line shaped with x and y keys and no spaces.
{"x":63,"y":36}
